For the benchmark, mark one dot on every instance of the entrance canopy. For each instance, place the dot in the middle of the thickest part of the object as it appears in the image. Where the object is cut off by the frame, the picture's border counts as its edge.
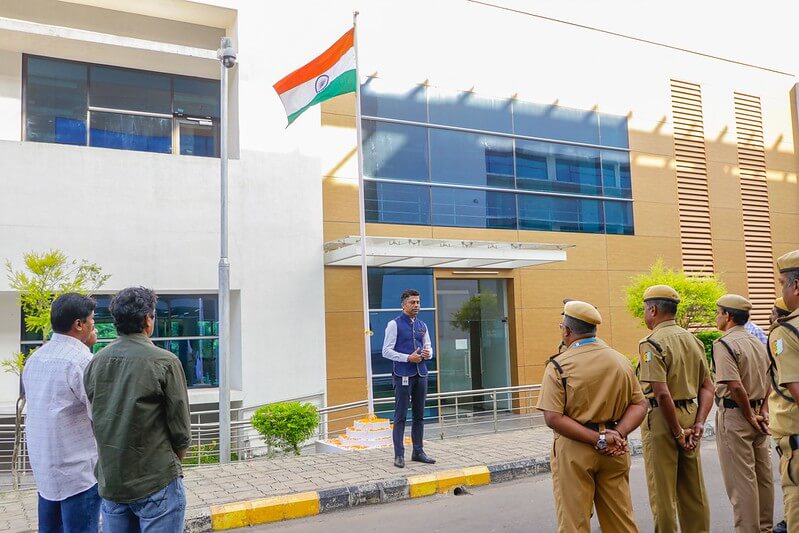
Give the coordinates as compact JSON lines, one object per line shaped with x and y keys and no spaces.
{"x":449,"y":253}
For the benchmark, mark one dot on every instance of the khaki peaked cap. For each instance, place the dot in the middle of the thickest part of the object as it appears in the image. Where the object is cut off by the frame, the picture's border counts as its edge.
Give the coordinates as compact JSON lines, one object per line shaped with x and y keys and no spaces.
{"x":734,"y":301}
{"x":779,"y":303}
{"x":788,"y":262}
{"x":661,"y":292}
{"x":582,"y":311}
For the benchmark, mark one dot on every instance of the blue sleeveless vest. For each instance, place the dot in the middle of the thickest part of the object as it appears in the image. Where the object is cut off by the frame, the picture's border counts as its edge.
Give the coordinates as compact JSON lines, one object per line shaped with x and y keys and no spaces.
{"x":410,"y":335}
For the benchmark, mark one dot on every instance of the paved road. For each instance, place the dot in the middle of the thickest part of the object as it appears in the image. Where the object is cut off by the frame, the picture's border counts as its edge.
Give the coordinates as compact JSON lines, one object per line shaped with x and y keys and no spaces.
{"x":519,"y":506}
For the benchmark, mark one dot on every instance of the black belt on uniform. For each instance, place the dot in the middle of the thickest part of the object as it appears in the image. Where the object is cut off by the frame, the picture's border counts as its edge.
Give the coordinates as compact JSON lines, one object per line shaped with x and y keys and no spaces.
{"x":595,"y":426}
{"x":677,"y":403}
{"x":732,"y":404}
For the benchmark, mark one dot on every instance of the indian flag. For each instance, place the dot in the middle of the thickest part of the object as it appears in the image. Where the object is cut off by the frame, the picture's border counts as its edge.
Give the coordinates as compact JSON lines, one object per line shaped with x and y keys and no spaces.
{"x":329,"y":75}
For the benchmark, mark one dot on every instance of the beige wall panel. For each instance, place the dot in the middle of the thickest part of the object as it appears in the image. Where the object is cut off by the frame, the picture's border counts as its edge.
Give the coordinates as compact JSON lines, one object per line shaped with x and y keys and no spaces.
{"x":736,"y":282}
{"x":340,"y":105}
{"x":344,"y":341}
{"x":781,"y":159}
{"x":727,"y":223}
{"x":342,"y":289}
{"x":338,"y":422}
{"x":724,"y":185}
{"x":782,"y":192}
{"x":655,"y":219}
{"x":785,"y":227}
{"x":340,"y":200}
{"x":729,"y":256}
{"x":345,"y":390}
{"x":658,"y":141}
{"x":338,"y":121}
{"x":476,"y":234}
{"x":588,"y":252}
{"x":399,"y":230}
{"x":339,"y":230}
{"x":618,"y":280}
{"x":541,"y":335}
{"x":637,"y":253}
{"x":548,"y":288}
{"x":654,"y":178}
{"x":782,"y":248}
{"x":722,"y":146}
{"x":533,"y":374}
{"x":626,"y":329}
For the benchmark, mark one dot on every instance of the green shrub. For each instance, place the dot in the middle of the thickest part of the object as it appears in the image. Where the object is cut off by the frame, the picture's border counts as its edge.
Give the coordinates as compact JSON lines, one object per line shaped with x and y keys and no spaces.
{"x":286,"y":425}
{"x":205,"y":454}
{"x":707,"y":337}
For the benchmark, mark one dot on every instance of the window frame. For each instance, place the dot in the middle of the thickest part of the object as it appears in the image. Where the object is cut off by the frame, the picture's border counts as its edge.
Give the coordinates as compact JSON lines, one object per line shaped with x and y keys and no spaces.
{"x":174,"y":117}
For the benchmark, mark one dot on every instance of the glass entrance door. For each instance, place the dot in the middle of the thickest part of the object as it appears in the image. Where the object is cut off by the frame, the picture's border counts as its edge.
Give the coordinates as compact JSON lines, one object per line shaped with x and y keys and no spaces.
{"x":473,"y":339}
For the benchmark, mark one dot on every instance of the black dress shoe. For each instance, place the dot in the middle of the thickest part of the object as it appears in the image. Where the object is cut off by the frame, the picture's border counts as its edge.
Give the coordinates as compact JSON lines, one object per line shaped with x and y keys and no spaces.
{"x":422,"y":458}
{"x":782,"y":527}
{"x":399,"y":462}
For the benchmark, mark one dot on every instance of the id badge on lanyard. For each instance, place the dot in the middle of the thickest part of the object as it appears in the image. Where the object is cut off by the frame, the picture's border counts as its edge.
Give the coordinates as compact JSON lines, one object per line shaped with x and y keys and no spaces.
{"x":404,"y":381}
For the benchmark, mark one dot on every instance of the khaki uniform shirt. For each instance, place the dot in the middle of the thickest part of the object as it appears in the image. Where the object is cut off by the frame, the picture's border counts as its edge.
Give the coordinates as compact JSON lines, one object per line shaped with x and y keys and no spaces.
{"x":140,"y":409}
{"x":681,"y":365}
{"x":600,"y":384}
{"x":785,"y":350}
{"x":749,"y":364}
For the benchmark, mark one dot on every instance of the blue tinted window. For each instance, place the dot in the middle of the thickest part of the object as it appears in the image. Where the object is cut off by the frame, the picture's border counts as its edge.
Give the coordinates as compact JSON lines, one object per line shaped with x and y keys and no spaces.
{"x":616,"y":180}
{"x":613,"y":130}
{"x":619,"y":217}
{"x":394,"y":151}
{"x":196,"y":98}
{"x":397,"y":203}
{"x":378,"y":322}
{"x":471,"y":159}
{"x":554,"y":213}
{"x":131,"y":132}
{"x":386,"y":286}
{"x":473,"y":208}
{"x":469,"y":110}
{"x":554,"y":167}
{"x":555,"y":122}
{"x":132,"y":90}
{"x":379,"y":99}
{"x":200,"y":140}
{"x":55,"y":101}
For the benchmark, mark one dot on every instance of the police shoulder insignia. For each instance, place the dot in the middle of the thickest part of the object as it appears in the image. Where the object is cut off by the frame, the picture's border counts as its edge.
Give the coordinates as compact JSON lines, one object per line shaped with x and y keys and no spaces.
{"x":647,"y":356}
{"x":778,"y":346}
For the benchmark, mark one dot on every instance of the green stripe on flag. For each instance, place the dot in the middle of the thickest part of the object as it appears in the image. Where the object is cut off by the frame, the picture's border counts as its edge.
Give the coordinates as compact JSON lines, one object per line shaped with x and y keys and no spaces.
{"x":343,"y":84}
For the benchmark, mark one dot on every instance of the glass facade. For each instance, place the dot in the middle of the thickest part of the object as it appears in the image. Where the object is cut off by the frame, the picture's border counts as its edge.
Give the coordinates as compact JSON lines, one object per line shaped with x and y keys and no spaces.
{"x":186,"y":325}
{"x":385,"y":287}
{"x":447,"y":158}
{"x":125,"y":109}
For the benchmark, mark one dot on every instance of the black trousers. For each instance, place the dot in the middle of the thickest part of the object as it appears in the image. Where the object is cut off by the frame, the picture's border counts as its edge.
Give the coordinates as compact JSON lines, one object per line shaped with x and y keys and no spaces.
{"x":415,"y":392}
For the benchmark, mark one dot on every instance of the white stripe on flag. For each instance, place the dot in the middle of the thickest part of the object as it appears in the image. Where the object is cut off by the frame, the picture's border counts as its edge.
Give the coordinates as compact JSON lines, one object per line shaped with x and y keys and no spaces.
{"x":301,"y":95}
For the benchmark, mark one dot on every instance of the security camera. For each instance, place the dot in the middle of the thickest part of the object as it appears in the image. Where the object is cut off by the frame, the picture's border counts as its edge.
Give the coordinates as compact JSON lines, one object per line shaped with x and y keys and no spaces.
{"x":227,"y":54}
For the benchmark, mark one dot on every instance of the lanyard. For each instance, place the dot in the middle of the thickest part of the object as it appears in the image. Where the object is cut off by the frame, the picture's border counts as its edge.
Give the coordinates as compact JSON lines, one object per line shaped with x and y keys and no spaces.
{"x":581,"y":342}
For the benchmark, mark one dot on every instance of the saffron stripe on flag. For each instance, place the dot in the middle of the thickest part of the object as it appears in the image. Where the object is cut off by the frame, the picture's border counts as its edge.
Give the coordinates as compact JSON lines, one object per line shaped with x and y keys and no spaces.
{"x":319,"y":65}
{"x":298,"y":97}
{"x":345,"y":83}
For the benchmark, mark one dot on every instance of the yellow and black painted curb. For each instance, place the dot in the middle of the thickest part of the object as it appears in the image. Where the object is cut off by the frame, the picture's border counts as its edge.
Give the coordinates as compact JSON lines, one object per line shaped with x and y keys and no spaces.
{"x":273,"y":509}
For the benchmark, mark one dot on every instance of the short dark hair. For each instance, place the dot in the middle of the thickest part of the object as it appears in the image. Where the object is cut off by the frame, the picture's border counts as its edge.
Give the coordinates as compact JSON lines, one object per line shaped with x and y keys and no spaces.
{"x":791,"y":276}
{"x":407,"y":293}
{"x":666,"y":307}
{"x":68,"y":308}
{"x":578,"y":327}
{"x":130,"y":307}
{"x":738,"y":316}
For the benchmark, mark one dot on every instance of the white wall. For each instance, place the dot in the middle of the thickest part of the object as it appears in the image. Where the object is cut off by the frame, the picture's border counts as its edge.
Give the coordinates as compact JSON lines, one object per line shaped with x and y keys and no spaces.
{"x":10,"y":96}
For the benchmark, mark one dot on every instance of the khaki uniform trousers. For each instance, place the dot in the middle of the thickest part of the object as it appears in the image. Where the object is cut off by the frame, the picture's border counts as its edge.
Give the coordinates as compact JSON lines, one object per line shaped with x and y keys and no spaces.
{"x":789,"y":480}
{"x":674,"y":476}
{"x":745,"y":460}
{"x":584,"y":478}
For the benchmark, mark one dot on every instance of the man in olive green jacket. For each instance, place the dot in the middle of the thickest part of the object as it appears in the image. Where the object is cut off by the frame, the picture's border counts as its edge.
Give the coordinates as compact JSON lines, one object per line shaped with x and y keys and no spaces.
{"x":140,"y":410}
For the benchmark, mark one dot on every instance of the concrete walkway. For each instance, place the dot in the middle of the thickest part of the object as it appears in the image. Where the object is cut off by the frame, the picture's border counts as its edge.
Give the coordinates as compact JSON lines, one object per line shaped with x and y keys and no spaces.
{"x":506,"y":455}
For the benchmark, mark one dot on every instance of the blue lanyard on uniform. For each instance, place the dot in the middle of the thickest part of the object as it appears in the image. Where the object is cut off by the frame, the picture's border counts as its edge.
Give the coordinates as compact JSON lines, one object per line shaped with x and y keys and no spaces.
{"x":581,"y":342}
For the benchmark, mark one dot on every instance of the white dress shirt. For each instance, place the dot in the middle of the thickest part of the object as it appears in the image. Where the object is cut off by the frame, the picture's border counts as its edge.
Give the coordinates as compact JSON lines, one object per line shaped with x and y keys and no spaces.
{"x":755,"y":330}
{"x":58,"y":422}
{"x":390,"y":340}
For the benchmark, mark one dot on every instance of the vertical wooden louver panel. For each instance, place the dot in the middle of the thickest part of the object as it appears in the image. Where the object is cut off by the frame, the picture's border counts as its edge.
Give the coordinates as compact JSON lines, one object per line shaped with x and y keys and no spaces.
{"x":692,"y":191}
{"x":754,"y":200}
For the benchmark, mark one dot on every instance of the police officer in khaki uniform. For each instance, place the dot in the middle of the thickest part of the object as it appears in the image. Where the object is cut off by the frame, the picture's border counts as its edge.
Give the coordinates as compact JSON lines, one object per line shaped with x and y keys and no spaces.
{"x":674,"y":374}
{"x":592,"y":401}
{"x":779,"y":310}
{"x":783,"y":350}
{"x":742,"y":386}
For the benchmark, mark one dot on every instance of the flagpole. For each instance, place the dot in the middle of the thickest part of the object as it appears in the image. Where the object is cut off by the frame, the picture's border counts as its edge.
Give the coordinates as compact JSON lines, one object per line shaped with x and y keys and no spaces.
{"x":362,"y":225}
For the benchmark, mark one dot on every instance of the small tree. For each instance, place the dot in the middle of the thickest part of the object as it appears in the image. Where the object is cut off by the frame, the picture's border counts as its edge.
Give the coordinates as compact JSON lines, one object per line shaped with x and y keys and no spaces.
{"x":46,"y":276}
{"x":698,"y":295}
{"x":286,"y":425}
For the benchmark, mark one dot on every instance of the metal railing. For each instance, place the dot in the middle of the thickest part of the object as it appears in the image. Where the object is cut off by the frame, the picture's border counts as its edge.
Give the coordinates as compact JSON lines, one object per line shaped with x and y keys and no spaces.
{"x":447,"y":414}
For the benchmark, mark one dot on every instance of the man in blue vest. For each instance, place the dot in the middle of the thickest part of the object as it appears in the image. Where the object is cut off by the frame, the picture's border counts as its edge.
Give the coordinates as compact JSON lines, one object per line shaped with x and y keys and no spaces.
{"x":407,"y":343}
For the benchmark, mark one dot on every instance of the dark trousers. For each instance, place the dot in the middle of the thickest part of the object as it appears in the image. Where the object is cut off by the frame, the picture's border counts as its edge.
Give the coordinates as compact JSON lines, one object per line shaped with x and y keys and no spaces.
{"x":415,"y":392}
{"x":77,"y":514}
